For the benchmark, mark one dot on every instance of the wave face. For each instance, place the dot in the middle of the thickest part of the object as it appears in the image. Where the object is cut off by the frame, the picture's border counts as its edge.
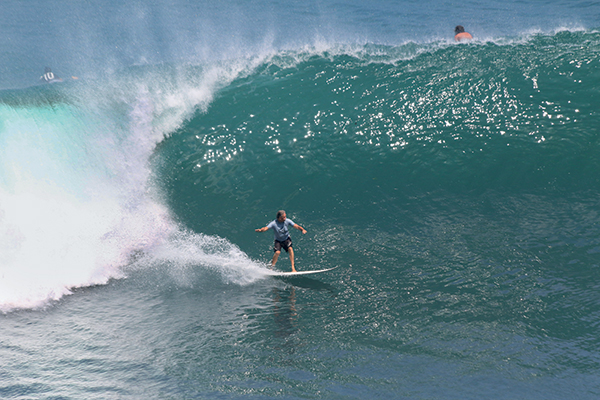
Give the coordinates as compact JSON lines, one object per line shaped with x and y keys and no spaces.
{"x":363,"y":132}
{"x":388,"y":138}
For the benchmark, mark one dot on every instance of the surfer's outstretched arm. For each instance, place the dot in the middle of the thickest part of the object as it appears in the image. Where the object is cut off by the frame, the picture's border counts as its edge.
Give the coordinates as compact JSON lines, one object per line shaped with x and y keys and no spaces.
{"x":266,"y":228}
{"x":301,"y":229}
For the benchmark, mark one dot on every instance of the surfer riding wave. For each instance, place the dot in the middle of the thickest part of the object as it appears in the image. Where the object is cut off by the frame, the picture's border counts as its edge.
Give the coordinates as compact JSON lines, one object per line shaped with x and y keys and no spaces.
{"x":282,"y":236}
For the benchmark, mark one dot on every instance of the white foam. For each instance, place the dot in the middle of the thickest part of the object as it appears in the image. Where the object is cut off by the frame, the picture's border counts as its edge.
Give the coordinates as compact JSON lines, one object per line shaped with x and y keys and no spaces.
{"x":76,"y":200}
{"x":185,"y":252}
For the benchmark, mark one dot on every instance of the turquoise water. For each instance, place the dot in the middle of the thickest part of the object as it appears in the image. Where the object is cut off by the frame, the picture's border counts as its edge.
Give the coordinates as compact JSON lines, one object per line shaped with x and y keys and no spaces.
{"x":454,"y":185}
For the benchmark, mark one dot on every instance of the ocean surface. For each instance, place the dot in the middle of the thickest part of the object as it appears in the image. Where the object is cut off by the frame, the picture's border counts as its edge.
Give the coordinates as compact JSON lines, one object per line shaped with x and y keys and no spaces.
{"x":456,"y":187}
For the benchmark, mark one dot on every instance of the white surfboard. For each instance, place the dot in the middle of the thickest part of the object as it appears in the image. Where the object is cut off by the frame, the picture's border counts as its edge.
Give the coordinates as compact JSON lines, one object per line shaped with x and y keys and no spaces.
{"x":298,"y":273}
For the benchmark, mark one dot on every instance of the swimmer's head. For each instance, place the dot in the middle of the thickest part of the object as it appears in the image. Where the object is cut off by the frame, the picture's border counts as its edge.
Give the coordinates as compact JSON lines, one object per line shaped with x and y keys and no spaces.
{"x":459,"y":29}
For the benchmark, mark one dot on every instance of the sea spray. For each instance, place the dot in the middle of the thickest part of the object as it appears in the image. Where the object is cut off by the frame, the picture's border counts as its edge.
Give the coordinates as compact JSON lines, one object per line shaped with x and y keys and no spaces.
{"x":76,"y":195}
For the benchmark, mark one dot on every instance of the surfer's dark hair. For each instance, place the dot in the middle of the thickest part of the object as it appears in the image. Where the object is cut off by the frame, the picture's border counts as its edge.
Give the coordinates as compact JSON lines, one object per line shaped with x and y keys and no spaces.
{"x":459,"y":29}
{"x":280,"y":213}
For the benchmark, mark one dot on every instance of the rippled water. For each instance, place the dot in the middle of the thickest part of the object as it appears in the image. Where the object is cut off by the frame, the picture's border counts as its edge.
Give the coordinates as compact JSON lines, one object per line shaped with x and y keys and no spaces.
{"x":454,"y":186}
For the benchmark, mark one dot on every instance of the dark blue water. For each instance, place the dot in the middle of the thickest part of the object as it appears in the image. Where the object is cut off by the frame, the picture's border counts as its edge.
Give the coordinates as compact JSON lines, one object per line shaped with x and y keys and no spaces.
{"x":454,"y":186}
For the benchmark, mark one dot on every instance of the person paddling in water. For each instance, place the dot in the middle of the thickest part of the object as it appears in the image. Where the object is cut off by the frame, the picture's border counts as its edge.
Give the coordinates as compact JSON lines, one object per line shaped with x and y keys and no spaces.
{"x":282,"y":236}
{"x":460,"y":34}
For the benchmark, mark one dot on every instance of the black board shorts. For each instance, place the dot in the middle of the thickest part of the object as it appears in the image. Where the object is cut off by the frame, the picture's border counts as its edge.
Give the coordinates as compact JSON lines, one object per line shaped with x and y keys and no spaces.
{"x":286,"y":244}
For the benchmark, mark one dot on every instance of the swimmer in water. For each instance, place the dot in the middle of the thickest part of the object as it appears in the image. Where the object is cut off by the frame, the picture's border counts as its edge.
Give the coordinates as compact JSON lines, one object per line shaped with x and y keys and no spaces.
{"x":460,"y":34}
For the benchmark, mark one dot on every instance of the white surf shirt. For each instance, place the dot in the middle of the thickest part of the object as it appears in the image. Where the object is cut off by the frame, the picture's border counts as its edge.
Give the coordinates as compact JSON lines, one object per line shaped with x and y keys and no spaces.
{"x":281,"y":229}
